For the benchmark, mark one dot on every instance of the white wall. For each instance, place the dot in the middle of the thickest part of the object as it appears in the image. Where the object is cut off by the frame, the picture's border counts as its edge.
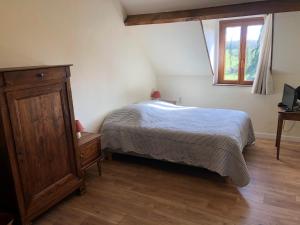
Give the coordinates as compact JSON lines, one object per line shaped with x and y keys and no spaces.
{"x":110,"y":69}
{"x":178,"y":54}
{"x":211,"y":33}
{"x":176,"y":49}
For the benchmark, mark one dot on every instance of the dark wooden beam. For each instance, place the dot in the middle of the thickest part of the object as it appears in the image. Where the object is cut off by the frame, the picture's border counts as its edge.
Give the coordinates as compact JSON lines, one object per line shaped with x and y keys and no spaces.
{"x":244,"y":9}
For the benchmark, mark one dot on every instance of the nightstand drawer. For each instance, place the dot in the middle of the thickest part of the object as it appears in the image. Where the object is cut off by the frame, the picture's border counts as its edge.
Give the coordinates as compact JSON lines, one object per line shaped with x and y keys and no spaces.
{"x":90,"y":152}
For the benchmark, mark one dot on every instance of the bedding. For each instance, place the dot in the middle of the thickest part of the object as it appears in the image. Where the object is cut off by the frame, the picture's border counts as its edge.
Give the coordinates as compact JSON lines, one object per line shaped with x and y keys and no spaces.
{"x":210,"y":138}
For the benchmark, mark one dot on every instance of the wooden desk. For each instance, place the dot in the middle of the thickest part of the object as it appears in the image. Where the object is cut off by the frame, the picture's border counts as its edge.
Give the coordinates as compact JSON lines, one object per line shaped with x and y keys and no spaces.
{"x":283,"y":115}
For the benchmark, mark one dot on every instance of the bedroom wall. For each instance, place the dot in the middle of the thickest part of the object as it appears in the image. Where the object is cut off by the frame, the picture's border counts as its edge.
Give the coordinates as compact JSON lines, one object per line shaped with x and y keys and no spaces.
{"x":178,"y":54}
{"x":110,"y":69}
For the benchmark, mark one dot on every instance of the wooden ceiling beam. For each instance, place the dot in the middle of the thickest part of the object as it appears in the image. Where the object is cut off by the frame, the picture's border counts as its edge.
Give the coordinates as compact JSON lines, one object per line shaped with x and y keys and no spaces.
{"x":226,"y":11}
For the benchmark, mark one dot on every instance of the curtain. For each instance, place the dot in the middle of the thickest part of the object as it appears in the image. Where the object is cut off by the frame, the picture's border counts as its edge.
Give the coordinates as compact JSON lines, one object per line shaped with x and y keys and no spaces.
{"x":263,"y":83}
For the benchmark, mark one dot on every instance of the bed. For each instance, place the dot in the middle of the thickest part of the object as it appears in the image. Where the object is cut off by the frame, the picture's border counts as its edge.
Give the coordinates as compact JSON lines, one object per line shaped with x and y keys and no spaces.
{"x":210,"y":138}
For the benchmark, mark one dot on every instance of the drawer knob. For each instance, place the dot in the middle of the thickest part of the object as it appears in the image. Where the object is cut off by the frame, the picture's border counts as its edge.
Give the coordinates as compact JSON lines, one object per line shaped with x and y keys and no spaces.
{"x":41,"y":75}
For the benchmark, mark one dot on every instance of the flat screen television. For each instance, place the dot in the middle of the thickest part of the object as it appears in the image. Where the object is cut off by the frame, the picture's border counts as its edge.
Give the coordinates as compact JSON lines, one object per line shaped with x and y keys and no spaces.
{"x":289,"y":98}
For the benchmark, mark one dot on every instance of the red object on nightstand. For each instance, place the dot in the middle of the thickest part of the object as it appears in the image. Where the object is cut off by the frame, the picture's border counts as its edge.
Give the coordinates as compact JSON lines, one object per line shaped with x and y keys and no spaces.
{"x":79,"y":127}
{"x":155,"y":95}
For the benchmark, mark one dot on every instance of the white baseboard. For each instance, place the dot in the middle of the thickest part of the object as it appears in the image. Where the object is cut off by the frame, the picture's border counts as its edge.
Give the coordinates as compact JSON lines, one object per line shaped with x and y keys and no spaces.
{"x":273,"y":137}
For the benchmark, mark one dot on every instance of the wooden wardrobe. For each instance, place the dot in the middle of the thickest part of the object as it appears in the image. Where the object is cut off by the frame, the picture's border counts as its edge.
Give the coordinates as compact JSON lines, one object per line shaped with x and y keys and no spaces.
{"x":39,"y":161}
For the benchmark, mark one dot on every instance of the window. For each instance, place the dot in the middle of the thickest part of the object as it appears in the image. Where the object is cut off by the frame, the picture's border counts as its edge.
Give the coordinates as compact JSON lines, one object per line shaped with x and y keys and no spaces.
{"x":239,"y":50}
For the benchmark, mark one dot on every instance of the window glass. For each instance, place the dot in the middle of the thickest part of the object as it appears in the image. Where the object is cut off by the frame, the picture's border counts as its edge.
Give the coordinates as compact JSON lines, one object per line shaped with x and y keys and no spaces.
{"x":239,"y":50}
{"x":232,"y":53}
{"x":252,"y":51}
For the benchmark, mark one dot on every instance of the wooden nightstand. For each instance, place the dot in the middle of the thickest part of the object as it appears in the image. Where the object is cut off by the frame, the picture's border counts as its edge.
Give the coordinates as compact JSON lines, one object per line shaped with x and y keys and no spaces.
{"x":90,"y":151}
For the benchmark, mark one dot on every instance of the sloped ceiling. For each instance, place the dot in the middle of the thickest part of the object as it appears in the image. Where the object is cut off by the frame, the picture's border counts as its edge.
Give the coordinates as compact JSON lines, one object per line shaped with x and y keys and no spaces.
{"x":175,"y":49}
{"x":153,"y":6}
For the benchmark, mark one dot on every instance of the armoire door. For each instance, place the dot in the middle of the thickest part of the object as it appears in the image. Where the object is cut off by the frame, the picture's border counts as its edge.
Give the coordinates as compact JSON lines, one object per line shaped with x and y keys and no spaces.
{"x":41,"y":124}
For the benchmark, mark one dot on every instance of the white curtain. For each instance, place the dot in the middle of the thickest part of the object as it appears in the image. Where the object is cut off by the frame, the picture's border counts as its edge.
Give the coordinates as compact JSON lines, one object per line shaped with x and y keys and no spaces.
{"x":263,"y":83}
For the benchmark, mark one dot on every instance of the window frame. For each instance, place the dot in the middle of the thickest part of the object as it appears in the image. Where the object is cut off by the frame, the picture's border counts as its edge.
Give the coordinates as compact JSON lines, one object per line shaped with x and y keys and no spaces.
{"x":243,"y":23}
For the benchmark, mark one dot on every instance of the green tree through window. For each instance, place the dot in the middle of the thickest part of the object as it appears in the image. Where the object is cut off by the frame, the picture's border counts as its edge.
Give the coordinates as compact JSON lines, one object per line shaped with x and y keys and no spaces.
{"x":239,"y":50}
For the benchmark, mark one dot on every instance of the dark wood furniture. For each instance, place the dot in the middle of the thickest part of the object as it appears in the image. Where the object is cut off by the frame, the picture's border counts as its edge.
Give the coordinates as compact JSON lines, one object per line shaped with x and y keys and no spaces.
{"x":6,"y":219}
{"x":39,"y":160}
{"x":282,"y":116}
{"x":90,"y":151}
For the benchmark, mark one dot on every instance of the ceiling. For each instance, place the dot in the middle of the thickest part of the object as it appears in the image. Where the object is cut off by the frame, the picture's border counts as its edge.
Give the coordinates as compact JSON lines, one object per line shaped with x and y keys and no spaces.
{"x":153,"y":6}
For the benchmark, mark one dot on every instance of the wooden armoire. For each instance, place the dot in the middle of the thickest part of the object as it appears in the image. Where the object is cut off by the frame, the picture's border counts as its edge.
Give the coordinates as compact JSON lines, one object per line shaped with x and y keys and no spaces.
{"x":39,"y":161}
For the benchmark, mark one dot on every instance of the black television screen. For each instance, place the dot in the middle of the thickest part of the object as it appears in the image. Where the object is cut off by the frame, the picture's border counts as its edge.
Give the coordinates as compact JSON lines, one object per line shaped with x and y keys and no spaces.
{"x":289,"y":97}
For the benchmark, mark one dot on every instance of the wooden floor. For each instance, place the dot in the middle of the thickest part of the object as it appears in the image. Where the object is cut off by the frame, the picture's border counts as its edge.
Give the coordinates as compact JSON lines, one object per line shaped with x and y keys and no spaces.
{"x":146,"y":192}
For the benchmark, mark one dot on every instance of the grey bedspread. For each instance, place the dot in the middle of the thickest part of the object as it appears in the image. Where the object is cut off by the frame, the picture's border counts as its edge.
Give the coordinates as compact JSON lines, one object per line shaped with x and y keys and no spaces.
{"x":210,"y":138}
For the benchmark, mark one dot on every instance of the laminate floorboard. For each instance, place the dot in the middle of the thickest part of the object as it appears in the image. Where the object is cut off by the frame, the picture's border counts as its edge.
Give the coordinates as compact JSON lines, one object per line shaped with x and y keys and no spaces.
{"x":136,"y":191}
